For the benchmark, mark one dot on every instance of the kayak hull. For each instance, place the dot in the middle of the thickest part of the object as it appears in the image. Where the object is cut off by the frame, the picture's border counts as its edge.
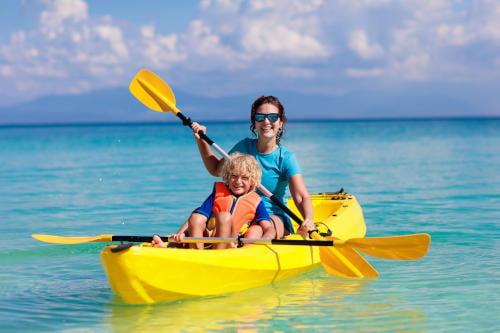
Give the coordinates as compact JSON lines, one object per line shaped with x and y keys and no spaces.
{"x":145,"y":275}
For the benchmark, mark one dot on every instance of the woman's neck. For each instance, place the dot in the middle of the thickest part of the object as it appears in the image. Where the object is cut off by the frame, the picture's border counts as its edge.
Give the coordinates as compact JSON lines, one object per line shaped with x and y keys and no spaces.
{"x":265,"y":145}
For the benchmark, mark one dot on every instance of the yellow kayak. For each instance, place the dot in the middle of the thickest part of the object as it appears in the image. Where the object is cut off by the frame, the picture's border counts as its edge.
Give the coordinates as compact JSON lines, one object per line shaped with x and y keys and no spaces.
{"x":142,"y":274}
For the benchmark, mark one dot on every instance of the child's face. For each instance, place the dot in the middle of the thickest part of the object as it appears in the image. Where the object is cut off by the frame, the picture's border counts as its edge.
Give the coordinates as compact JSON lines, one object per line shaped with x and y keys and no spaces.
{"x":239,"y":184}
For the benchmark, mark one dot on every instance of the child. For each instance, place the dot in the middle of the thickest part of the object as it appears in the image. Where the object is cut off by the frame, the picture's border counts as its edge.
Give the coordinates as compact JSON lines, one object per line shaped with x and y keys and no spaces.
{"x":233,"y":203}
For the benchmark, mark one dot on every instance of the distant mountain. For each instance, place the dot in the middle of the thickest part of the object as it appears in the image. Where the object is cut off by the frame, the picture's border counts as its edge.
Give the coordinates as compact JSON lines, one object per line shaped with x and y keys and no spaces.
{"x":118,"y":105}
{"x":115,"y":106}
{"x":105,"y":106}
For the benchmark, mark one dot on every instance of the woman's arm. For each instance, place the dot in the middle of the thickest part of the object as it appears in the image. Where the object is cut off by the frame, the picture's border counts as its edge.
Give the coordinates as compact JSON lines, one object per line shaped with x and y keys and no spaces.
{"x":302,"y":200}
{"x":268,"y":230}
{"x":212,"y":163}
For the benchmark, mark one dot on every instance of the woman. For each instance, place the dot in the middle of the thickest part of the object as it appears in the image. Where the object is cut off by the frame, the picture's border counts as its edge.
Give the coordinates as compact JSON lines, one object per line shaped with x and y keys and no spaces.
{"x":233,"y":204}
{"x":279,"y":166}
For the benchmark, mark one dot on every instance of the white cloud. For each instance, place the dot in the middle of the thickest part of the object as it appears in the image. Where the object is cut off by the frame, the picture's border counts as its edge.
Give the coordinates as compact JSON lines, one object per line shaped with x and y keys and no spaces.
{"x":415,"y":68}
{"x":360,"y":4}
{"x":205,"y":47}
{"x":358,"y":42}
{"x":266,"y":30}
{"x":52,"y":20}
{"x":162,"y":52}
{"x":18,"y":37}
{"x":296,"y":6}
{"x":6,"y":71}
{"x":60,"y":10}
{"x":280,"y":41}
{"x":113,"y":35}
{"x":147,"y":31}
{"x":226,"y":5}
{"x":454,"y":34}
{"x":490,"y":27}
{"x":263,"y":39}
{"x":404,"y":40}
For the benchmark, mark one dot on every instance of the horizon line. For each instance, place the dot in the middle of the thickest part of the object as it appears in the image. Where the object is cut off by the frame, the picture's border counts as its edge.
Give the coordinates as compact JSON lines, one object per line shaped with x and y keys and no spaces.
{"x":125,"y":123}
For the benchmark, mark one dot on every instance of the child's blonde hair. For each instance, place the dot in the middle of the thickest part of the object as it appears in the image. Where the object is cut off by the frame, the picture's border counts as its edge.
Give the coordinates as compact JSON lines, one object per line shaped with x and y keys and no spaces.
{"x":242,"y":165}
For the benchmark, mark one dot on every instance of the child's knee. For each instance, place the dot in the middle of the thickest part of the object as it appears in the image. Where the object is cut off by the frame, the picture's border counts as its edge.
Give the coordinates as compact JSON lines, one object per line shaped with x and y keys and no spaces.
{"x":197,"y":219}
{"x":223,"y":217}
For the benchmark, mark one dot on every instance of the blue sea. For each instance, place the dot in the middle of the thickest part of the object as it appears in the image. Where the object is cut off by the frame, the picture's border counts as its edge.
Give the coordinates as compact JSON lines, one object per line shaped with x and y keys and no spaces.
{"x":440,"y":177}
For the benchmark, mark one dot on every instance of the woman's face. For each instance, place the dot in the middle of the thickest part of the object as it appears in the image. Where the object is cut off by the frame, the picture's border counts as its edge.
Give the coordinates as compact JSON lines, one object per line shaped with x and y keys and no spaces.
{"x":267,"y":128}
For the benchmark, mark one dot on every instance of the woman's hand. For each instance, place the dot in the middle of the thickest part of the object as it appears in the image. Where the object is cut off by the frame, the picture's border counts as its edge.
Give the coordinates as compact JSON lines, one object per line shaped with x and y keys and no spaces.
{"x":197,"y":128}
{"x":307,"y":226}
{"x":303,"y":202}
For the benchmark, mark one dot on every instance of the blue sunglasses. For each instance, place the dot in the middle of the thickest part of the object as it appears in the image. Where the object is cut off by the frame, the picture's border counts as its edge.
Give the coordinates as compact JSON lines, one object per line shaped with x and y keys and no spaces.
{"x":259,"y":117}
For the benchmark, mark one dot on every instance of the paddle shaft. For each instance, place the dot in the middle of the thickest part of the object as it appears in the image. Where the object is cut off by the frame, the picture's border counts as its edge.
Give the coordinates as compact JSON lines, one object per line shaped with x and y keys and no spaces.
{"x":260,"y":241}
{"x":406,"y":247}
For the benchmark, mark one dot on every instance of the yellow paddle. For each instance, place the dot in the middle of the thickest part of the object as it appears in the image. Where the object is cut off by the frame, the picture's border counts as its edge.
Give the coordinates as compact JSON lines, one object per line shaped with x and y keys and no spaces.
{"x":404,"y":247}
{"x":407,"y":247}
{"x":154,"y":93}
{"x":74,"y":240}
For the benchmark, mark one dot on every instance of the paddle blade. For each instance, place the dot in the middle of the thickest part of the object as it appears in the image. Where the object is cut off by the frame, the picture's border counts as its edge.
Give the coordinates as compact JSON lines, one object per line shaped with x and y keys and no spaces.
{"x":344,"y":262}
{"x":71,"y":240}
{"x":153,"y":92}
{"x":407,"y":247}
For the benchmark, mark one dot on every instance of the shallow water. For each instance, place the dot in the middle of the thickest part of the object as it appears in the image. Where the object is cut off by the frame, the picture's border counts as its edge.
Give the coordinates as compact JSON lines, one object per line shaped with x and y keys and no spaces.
{"x":434,"y":176}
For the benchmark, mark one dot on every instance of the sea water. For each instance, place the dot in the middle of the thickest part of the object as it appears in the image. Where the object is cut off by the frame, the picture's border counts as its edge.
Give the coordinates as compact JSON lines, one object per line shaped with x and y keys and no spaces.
{"x":440,"y":177}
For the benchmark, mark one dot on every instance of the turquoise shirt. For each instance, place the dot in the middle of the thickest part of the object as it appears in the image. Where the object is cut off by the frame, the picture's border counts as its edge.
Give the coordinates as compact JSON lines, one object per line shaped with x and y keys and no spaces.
{"x":277,"y":168}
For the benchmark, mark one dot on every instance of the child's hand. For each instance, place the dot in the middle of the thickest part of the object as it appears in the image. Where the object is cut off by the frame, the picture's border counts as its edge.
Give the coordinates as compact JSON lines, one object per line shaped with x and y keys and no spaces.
{"x":157,"y":242}
{"x":178,"y":237}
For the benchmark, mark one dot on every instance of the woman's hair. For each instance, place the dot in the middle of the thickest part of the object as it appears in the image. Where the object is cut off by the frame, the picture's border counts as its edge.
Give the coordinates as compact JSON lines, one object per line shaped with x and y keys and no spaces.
{"x":242,"y":165}
{"x":273,"y":101}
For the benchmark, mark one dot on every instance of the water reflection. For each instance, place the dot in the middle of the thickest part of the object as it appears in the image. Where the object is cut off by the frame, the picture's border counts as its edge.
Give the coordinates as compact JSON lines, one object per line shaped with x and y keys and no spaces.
{"x":314,"y":300}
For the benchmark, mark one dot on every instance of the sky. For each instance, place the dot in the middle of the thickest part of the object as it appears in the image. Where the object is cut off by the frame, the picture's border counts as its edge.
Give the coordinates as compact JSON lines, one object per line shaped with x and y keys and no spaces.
{"x":221,"y":48}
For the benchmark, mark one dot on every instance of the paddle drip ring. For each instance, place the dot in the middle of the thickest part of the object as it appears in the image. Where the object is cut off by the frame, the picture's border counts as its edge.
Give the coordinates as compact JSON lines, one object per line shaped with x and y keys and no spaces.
{"x":240,"y":242}
{"x":186,"y":121}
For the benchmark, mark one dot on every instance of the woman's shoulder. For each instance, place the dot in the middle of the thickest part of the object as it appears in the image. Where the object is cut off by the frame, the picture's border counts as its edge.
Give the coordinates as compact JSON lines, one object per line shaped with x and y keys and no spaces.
{"x":285,"y":152}
{"x":288,"y":161}
{"x":245,"y":145}
{"x":251,"y":141}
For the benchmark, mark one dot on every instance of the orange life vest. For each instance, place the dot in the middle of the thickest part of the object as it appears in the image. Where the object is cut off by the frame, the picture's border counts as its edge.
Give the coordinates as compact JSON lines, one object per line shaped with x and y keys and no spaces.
{"x":242,"y":208}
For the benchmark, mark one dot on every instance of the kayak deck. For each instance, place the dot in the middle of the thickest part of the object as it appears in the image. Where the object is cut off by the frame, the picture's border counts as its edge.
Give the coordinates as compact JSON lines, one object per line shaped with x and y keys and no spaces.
{"x":142,"y":274}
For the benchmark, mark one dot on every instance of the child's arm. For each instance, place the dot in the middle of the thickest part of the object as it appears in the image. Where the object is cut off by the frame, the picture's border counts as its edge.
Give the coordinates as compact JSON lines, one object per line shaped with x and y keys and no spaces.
{"x":205,"y":209}
{"x":177,"y":237}
{"x":264,"y":220}
{"x":183,"y":227}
